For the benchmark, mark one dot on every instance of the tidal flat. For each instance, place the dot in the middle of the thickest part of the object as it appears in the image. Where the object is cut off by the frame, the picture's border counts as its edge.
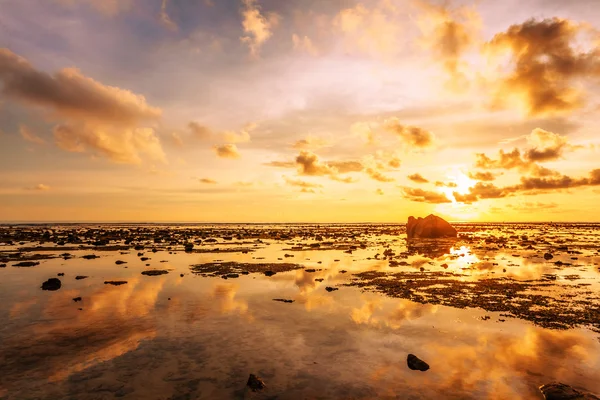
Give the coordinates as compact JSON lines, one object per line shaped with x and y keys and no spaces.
{"x":187,"y":311}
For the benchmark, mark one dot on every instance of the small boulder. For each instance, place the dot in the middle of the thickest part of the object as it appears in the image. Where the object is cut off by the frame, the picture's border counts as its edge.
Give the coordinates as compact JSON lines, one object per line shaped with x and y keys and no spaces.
{"x":416,"y":364}
{"x":51,"y":284}
{"x":80,"y":277}
{"x":115,"y":283}
{"x":76,"y":299}
{"x":331,"y":289}
{"x":548,"y":256}
{"x":560,"y":391}
{"x":255,"y":383}
{"x":26,"y":264}
{"x":155,"y":272}
{"x":430,"y":227}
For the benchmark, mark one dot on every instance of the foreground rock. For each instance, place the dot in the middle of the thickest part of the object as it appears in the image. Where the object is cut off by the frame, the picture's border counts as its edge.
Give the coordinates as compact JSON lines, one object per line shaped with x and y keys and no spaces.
{"x":51,"y":284}
{"x":255,"y":383}
{"x":155,"y":272}
{"x":26,"y":264}
{"x":416,"y":364}
{"x":430,"y":227}
{"x":115,"y":283}
{"x":560,"y":391}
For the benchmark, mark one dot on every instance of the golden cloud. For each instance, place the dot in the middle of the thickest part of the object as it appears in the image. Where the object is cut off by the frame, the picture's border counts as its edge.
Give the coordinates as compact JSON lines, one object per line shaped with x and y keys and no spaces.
{"x":199,"y":131}
{"x":207,"y":181}
{"x":227,"y":151}
{"x":410,"y":135}
{"x":257,"y":27}
{"x":310,"y":143}
{"x":417,"y":178}
{"x":547,"y":64}
{"x":103,"y":120}
{"x":301,"y":183}
{"x":425,"y":196}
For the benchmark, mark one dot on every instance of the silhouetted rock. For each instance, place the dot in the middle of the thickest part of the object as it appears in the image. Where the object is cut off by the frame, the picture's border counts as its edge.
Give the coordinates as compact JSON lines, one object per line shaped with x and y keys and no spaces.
{"x":115,"y":283}
{"x":430,"y":227}
{"x":76,"y":299}
{"x":80,"y":277}
{"x":155,"y":272}
{"x":255,"y":383}
{"x":269,"y":273}
{"x":90,"y":256}
{"x":416,"y":364}
{"x":119,"y":262}
{"x":61,"y":274}
{"x":2,"y":265}
{"x":548,"y":256}
{"x":284,"y":300}
{"x":560,"y":391}
{"x":51,"y":284}
{"x":26,"y":264}
{"x":331,"y":289}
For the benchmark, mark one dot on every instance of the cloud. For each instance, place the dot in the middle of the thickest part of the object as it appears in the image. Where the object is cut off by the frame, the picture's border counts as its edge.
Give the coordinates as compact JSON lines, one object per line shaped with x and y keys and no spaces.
{"x":547,"y":146}
{"x":394,"y":162}
{"x":176,"y":139}
{"x":379,"y":192}
{"x":243,"y":136}
{"x":199,"y":131}
{"x":547,"y":65}
{"x":410,"y":135}
{"x":304,"y":44}
{"x":371,"y":30}
{"x":29,"y":136}
{"x":107,"y":7}
{"x":120,"y":145}
{"x":446,"y":184}
{"x":364,"y":131}
{"x":377,"y":175}
{"x":92,"y":117}
{"x":227,"y":151}
{"x":448,"y":34}
{"x":207,"y":181}
{"x":40,"y":187}
{"x":307,"y":163}
{"x":301,"y":183}
{"x":425,"y":196}
{"x":257,"y":27}
{"x":417,"y":178}
{"x":482,"y":176}
{"x":164,"y":17}
{"x":310,"y":143}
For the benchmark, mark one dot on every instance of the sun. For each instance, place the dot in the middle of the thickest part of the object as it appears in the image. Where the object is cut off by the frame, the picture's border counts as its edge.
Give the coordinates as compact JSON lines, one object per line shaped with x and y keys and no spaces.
{"x":458,"y":182}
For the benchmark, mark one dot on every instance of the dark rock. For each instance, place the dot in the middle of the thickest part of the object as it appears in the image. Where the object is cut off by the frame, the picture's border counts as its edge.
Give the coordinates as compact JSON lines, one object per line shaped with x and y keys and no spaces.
{"x":255,"y":383}
{"x":181,"y":275}
{"x":430,"y":227}
{"x":90,"y":256}
{"x":26,"y":264}
{"x":119,"y":262}
{"x":548,"y":256}
{"x":76,"y":299}
{"x":51,"y":284}
{"x":311,"y":270}
{"x":330,"y":289}
{"x":2,"y":265}
{"x":416,"y":364}
{"x":155,"y":272}
{"x":61,"y":274}
{"x":115,"y":283}
{"x":269,"y":273}
{"x":188,"y":247}
{"x":560,"y":391}
{"x":144,"y":259}
{"x":319,"y":279}
{"x":284,"y":300}
{"x":80,"y":277}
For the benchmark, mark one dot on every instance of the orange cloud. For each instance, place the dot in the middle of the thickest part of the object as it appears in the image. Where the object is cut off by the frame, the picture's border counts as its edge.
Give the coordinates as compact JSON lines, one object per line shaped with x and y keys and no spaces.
{"x":199,"y":131}
{"x":410,"y":135}
{"x":417,"y":178}
{"x":257,"y":27}
{"x":29,"y":136}
{"x":208,"y":181}
{"x":301,"y":183}
{"x":425,"y":196}
{"x":547,"y":64}
{"x":227,"y":151}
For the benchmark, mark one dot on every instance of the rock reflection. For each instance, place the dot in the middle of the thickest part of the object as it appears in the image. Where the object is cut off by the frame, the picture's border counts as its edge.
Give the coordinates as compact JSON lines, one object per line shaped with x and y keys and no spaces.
{"x":432,"y":248}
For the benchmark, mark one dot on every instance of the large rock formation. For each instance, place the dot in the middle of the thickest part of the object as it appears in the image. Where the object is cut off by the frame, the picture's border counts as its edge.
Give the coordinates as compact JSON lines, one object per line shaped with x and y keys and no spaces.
{"x":560,"y":391}
{"x":430,"y":227}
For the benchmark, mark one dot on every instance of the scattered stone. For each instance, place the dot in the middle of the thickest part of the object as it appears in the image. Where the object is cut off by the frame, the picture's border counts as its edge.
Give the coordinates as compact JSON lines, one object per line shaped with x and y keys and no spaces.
{"x":144,"y":259}
{"x":331,"y":289}
{"x":311,"y":270}
{"x":80,"y":277}
{"x":119,"y":262}
{"x":560,"y":391}
{"x":76,"y":299}
{"x":61,"y":274}
{"x":51,"y":284}
{"x":115,"y":283}
{"x":2,"y":265}
{"x":416,"y":364}
{"x":284,"y":300}
{"x":548,"y":256}
{"x":155,"y":272}
{"x":90,"y":256}
{"x":319,"y":279}
{"x":255,"y":383}
{"x":270,"y":273}
{"x":181,"y":275}
{"x":26,"y":264}
{"x":230,"y":276}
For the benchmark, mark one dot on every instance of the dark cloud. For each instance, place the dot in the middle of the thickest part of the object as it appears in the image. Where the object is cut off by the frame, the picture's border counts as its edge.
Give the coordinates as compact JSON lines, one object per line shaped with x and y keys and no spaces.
{"x":227,"y":151}
{"x":199,"y":131}
{"x":417,"y":178}
{"x":547,"y":64}
{"x":309,"y":164}
{"x":425,"y":196}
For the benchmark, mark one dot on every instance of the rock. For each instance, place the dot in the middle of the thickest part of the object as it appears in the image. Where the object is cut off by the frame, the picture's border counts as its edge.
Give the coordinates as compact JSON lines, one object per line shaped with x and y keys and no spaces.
{"x":181,"y":275}
{"x":284,"y":300}
{"x":155,"y":272}
{"x":416,"y":364}
{"x":80,"y":277}
{"x":430,"y":227}
{"x":144,"y":259}
{"x":2,"y":265}
{"x":51,"y":284}
{"x":61,"y":274}
{"x":269,"y":273}
{"x":330,"y":289}
{"x":26,"y":264}
{"x":90,"y":256}
{"x":76,"y":299}
{"x":188,"y":247}
{"x":255,"y":383}
{"x":115,"y":283}
{"x":560,"y":391}
{"x":548,"y":256}
{"x":119,"y":262}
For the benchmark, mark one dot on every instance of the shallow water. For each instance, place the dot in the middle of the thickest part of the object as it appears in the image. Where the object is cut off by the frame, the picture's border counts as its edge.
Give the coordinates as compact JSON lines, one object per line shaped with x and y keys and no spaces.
{"x":197,"y":336}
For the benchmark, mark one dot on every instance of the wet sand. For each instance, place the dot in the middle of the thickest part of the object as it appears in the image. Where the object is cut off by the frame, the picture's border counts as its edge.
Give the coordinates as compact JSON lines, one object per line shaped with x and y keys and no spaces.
{"x":496,"y":314}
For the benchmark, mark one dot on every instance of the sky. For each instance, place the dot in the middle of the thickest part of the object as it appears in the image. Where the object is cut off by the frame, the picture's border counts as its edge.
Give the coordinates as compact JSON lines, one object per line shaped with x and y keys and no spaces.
{"x":299,"y":110}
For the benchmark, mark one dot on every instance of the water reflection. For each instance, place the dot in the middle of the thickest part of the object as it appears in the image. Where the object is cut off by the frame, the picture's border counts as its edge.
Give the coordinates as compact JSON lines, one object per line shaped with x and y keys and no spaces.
{"x":432,"y":248}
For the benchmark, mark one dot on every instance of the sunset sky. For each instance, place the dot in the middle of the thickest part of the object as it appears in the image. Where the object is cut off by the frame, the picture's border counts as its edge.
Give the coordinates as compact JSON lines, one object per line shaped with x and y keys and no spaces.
{"x":299,"y":111}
